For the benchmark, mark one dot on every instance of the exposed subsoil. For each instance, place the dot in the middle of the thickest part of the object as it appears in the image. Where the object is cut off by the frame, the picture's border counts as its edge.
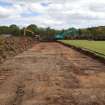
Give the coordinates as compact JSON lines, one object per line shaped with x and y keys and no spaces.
{"x":11,"y":46}
{"x":52,"y":74}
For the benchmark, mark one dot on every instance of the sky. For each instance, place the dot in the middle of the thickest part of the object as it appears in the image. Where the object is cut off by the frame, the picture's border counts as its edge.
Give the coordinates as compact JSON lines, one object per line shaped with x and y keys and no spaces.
{"x":58,"y":14}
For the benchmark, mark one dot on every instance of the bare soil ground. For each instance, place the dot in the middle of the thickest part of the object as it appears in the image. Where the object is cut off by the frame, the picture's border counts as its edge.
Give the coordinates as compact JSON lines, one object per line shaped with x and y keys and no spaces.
{"x":52,"y":74}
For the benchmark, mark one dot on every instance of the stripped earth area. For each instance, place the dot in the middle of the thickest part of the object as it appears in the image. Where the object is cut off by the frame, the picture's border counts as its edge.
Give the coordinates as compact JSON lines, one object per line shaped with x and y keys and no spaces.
{"x":52,"y":74}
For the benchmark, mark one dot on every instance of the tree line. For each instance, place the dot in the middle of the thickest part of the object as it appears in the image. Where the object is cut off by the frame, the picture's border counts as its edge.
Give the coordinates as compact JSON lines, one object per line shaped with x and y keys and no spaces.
{"x":14,"y":30}
{"x":93,"y":33}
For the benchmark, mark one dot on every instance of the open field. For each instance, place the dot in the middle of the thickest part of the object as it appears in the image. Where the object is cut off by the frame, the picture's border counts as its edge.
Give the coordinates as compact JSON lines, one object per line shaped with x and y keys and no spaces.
{"x":52,"y":74}
{"x":98,"y":47}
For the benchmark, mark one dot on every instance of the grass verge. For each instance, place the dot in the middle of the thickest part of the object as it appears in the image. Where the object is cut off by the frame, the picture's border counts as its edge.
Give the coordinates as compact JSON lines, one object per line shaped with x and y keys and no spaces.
{"x":95,"y":49}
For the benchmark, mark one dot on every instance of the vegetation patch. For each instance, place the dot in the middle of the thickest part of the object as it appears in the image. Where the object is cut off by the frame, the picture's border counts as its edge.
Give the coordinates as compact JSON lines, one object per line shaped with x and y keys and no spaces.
{"x":96,"y":47}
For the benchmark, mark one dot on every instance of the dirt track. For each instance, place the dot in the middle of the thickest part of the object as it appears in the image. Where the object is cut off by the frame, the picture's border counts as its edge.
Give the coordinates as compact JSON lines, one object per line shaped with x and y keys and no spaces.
{"x":51,"y":74}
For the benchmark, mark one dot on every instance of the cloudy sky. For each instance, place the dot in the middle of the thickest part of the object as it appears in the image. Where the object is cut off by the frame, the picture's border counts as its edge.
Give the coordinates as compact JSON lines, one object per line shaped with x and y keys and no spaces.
{"x":53,"y":13}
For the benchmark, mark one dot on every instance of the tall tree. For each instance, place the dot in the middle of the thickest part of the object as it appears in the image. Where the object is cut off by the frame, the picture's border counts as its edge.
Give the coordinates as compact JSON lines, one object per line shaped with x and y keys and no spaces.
{"x":15,"y":30}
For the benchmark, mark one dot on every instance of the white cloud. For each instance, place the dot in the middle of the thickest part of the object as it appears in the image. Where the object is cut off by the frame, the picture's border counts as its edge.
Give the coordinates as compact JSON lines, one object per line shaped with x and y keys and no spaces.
{"x":54,"y":13}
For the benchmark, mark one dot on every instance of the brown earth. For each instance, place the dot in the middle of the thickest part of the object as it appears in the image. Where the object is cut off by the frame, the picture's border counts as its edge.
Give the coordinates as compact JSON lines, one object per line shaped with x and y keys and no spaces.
{"x":52,"y":74}
{"x":12,"y":46}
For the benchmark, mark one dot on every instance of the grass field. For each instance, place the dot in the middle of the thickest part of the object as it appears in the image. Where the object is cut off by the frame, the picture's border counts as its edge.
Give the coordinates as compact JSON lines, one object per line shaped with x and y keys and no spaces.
{"x":98,"y":47}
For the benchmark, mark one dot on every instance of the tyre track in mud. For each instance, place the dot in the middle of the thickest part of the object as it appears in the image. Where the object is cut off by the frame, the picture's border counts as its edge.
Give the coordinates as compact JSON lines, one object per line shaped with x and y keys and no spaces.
{"x":19,"y":94}
{"x":52,"y":74}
